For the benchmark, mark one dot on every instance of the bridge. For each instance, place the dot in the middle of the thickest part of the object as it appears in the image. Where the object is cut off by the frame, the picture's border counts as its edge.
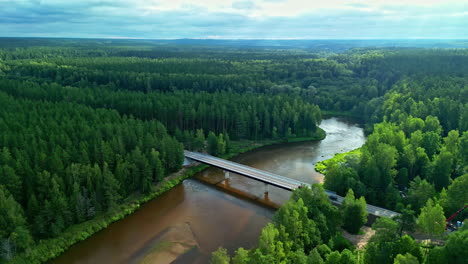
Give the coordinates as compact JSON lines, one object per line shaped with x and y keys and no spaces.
{"x":271,"y":179}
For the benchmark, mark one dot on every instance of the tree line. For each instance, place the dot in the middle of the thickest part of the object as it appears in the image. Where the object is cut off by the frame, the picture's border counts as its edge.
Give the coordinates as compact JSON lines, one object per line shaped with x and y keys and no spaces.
{"x":242,"y":116}
{"x":69,"y":153}
{"x":64,"y":163}
{"x":306,"y":230}
{"x":79,"y":117}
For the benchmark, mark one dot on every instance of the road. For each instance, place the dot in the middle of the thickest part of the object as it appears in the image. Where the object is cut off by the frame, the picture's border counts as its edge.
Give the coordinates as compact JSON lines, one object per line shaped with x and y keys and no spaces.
{"x":273,"y":179}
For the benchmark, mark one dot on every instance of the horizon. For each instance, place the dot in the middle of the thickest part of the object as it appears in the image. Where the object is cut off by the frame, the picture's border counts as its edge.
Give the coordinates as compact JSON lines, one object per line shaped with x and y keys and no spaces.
{"x":233,"y":39}
{"x":235,"y":19}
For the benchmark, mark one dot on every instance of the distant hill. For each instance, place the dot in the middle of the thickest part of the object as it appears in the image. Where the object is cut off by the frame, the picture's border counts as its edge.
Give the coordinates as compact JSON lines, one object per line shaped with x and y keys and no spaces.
{"x":315,"y":45}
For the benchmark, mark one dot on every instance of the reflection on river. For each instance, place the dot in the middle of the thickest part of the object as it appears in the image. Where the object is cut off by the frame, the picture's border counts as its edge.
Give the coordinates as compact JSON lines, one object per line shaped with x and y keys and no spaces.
{"x":196,"y":218}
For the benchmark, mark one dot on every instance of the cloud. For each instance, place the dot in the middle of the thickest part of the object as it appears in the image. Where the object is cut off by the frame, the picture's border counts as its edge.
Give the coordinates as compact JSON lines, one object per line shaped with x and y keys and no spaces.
{"x":244,"y":5}
{"x":337,"y":19}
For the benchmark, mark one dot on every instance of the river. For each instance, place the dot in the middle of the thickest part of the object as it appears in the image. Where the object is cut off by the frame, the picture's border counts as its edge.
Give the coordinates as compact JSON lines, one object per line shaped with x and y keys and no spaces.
{"x":197,"y":218}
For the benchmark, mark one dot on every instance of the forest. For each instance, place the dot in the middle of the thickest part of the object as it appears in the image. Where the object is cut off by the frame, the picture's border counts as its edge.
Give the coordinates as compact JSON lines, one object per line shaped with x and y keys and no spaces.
{"x":306,"y":230}
{"x":87,"y":125}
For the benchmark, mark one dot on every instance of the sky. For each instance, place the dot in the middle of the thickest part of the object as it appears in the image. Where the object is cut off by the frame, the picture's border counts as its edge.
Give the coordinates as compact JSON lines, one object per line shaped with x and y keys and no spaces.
{"x":235,"y":19}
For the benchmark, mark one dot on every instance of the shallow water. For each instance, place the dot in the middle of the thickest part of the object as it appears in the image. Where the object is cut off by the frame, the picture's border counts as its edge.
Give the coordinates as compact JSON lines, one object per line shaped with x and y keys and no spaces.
{"x":220,"y":216}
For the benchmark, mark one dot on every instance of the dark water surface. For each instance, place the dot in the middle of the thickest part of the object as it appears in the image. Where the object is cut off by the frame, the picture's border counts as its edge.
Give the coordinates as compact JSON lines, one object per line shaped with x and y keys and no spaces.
{"x":210,"y":216}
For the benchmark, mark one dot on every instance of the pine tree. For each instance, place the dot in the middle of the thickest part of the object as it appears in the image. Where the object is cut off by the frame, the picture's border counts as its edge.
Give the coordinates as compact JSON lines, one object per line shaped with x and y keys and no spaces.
{"x":212,"y":142}
{"x":110,"y":188}
{"x":221,"y":146}
{"x":13,"y":226}
{"x":199,"y":142}
{"x":156,"y":166}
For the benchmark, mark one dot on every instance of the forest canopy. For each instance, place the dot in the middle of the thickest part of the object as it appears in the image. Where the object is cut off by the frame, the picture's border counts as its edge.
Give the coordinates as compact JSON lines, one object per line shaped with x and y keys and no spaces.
{"x":84,"y":125}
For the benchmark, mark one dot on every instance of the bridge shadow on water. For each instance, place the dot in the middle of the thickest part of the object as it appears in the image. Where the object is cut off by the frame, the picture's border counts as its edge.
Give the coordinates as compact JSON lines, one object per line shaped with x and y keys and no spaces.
{"x":252,"y":191}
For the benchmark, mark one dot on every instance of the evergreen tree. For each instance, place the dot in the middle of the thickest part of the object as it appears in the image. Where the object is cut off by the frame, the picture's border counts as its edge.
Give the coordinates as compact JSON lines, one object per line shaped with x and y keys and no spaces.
{"x":221,"y":145}
{"x":14,"y":233}
{"x":199,"y":141}
{"x":110,"y":188}
{"x":156,"y":166}
{"x":212,"y":142}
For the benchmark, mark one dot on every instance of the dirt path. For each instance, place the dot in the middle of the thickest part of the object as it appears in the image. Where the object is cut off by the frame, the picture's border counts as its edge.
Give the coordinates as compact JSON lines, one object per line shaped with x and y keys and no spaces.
{"x":360,"y":241}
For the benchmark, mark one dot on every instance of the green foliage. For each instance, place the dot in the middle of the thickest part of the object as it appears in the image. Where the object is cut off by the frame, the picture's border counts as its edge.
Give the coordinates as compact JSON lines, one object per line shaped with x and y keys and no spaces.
{"x":354,"y":212}
{"x":48,"y":249}
{"x":406,"y":259}
{"x":220,"y":256}
{"x":386,"y":230}
{"x":327,"y":218}
{"x":419,"y":192}
{"x":322,"y":166}
{"x":296,"y":227}
{"x":432,"y":220}
{"x":270,"y":249}
{"x":344,"y":257}
{"x":212,"y":142}
{"x":86,"y":126}
{"x":454,"y":251}
{"x":406,"y":221}
{"x":241,"y":257}
{"x":386,"y":245}
{"x":198,"y":143}
{"x":437,"y":256}
{"x":341,"y":178}
{"x":339,"y":243}
{"x":295,"y":230}
{"x":417,"y":140}
{"x":314,"y":257}
{"x":456,"y":196}
{"x":323,"y":250}
{"x":442,"y":169}
{"x":407,"y":245}
{"x":14,"y":233}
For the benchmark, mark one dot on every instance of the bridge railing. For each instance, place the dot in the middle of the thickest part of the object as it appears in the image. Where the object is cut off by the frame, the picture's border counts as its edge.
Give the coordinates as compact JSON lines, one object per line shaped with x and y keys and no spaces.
{"x":274,"y":179}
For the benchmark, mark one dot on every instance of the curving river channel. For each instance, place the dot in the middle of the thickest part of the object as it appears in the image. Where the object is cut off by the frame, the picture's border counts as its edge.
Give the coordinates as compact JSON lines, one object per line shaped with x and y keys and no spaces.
{"x":195,"y":218}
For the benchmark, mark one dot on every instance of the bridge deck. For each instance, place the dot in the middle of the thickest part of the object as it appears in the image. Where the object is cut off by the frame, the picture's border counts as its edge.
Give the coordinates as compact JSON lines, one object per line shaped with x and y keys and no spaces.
{"x":271,"y":178}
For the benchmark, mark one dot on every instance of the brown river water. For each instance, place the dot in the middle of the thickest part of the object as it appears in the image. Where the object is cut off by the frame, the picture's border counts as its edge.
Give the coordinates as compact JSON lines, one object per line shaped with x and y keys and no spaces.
{"x":203,"y":213}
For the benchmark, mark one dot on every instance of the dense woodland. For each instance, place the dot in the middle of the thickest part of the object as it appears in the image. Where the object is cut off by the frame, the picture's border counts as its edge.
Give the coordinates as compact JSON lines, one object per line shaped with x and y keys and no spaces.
{"x":306,"y":230}
{"x":85,"y":125}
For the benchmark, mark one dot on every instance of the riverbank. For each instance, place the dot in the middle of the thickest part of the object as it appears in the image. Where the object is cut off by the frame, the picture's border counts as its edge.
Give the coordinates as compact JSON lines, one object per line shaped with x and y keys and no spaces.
{"x":347,"y":114}
{"x":51,"y":248}
{"x":321,"y":166}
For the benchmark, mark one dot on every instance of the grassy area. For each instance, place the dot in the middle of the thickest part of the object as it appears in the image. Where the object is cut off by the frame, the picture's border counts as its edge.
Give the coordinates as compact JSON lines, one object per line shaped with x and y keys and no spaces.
{"x":340,"y":157}
{"x":48,"y":249}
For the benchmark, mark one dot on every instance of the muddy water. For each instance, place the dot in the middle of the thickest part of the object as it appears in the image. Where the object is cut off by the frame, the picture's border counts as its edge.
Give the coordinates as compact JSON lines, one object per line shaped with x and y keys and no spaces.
{"x":198,"y":218}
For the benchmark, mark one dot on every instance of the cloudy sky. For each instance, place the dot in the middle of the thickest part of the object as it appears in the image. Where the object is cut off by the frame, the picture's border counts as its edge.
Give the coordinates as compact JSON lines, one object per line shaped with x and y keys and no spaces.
{"x":235,"y":19}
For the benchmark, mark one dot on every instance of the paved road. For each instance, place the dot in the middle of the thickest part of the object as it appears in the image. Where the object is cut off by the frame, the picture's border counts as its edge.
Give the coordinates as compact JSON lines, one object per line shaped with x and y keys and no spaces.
{"x":273,"y":179}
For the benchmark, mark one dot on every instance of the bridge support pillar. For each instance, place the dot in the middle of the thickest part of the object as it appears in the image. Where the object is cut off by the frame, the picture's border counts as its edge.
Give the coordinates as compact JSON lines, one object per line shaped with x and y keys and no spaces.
{"x":227,"y":174}
{"x":188,"y":161}
{"x":267,"y":188}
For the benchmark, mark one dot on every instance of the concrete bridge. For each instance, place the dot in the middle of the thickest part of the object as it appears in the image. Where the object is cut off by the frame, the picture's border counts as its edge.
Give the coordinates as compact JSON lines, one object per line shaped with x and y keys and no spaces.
{"x":269,"y":178}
